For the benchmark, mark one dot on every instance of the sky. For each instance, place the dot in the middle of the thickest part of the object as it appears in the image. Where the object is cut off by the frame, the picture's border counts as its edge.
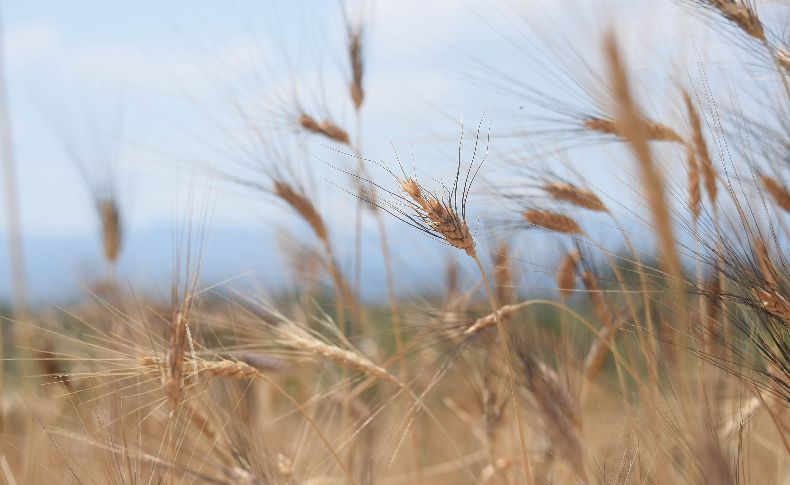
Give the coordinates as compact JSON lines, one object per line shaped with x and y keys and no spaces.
{"x":173,"y":94}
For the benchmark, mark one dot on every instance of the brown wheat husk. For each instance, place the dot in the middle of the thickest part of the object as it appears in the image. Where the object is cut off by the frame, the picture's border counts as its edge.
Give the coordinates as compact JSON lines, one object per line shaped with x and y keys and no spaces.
{"x":112,"y":231}
{"x":566,"y":274}
{"x":633,"y":128}
{"x":357,"y":67}
{"x":742,"y":15}
{"x":782,"y":56}
{"x":695,"y":194}
{"x":767,"y":268}
{"x":302,"y":206}
{"x":597,"y":297}
{"x":701,"y":148}
{"x":575,"y":195}
{"x":503,"y":276}
{"x":778,"y":192}
{"x":653,"y":130}
{"x":558,"y":410}
{"x":234,"y":369}
{"x":173,"y":377}
{"x":552,"y":221}
{"x":774,"y":303}
{"x":303,"y":341}
{"x":599,"y":350}
{"x":326,"y":128}
{"x":440,"y":217}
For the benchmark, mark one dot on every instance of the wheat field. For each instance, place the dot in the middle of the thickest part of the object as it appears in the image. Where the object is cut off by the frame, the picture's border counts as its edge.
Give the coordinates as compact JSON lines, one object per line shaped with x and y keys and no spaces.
{"x":628,"y":331}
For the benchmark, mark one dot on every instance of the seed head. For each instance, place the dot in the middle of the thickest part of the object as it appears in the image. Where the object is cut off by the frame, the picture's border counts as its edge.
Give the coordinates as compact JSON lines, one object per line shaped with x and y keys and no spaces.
{"x":439,"y":216}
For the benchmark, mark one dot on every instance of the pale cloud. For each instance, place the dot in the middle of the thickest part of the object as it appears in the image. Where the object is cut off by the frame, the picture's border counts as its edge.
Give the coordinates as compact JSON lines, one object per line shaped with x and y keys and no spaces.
{"x":30,"y":44}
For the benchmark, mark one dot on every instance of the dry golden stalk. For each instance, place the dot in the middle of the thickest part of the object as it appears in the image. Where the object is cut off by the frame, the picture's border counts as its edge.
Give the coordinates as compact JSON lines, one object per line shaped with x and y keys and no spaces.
{"x":712,"y":311}
{"x":357,"y":67}
{"x":111,"y":228}
{"x":443,"y":220}
{"x":308,"y":212}
{"x":440,"y":217}
{"x":767,"y":268}
{"x":303,"y":207}
{"x":599,"y":350}
{"x":653,"y":130}
{"x":552,"y":221}
{"x":782,"y":56}
{"x":451,"y":277}
{"x":301,"y":340}
{"x":778,"y":192}
{"x":575,"y":195}
{"x":598,"y":300}
{"x":503,"y":276}
{"x":490,"y":320}
{"x":774,"y":303}
{"x":633,"y":129}
{"x":695,"y":194}
{"x":741,"y":14}
{"x":326,"y":128}
{"x":234,"y":369}
{"x":701,"y":148}
{"x":201,"y":421}
{"x":558,"y":410}
{"x":173,"y":377}
{"x":566,"y":274}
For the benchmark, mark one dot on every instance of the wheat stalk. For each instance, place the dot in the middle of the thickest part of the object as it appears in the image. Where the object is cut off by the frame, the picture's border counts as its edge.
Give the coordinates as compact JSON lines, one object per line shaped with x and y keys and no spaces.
{"x":767,"y":268}
{"x":575,"y":195}
{"x":490,"y":320}
{"x":440,"y":216}
{"x":774,"y":303}
{"x":303,"y":207}
{"x":695,"y":194}
{"x":111,"y":228}
{"x":701,"y":149}
{"x":777,"y":191}
{"x":326,"y":128}
{"x":782,"y":56}
{"x":653,"y":130}
{"x":299,"y":339}
{"x":741,"y":14}
{"x":308,"y":212}
{"x":598,"y":300}
{"x":599,"y":350}
{"x":442,"y":219}
{"x":234,"y":369}
{"x":630,"y":123}
{"x":552,"y":221}
{"x":357,"y":66}
{"x":173,"y":377}
{"x":566,"y":274}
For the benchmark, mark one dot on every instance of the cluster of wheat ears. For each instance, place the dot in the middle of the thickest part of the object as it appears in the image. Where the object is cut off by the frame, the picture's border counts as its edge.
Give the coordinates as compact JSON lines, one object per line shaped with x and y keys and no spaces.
{"x":662,"y":365}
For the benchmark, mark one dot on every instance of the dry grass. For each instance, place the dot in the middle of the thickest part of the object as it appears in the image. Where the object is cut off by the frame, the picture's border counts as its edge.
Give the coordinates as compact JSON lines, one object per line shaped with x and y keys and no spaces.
{"x":670,"y":365}
{"x":552,"y":221}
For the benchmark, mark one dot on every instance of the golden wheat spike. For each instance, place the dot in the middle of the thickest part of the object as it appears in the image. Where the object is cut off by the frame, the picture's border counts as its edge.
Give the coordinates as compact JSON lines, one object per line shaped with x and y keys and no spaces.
{"x":566,"y":274}
{"x":701,"y":148}
{"x":441,"y":217}
{"x":774,"y":303}
{"x":653,"y":130}
{"x":326,"y":128}
{"x":111,"y":228}
{"x":575,"y":195}
{"x":777,"y":191}
{"x":552,"y":221}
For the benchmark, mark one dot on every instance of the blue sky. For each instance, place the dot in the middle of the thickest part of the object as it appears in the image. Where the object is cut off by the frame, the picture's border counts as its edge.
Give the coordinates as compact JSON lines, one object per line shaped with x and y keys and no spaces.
{"x":149,"y":85}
